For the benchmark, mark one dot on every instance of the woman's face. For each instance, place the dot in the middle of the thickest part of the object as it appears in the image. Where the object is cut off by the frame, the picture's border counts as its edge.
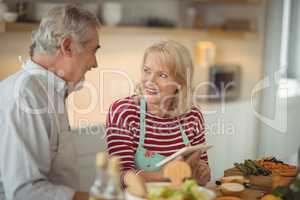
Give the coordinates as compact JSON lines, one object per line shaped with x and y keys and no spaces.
{"x":158,"y":86}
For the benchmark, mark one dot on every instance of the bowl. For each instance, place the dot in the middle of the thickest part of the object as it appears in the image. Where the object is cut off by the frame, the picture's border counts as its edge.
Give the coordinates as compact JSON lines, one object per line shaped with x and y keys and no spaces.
{"x":10,"y":16}
{"x":210,"y":194}
{"x":112,"y":13}
{"x":232,"y":189}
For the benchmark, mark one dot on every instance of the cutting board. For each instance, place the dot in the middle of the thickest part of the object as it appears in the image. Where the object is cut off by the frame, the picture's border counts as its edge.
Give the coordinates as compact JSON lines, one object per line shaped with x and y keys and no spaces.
{"x":264,"y":182}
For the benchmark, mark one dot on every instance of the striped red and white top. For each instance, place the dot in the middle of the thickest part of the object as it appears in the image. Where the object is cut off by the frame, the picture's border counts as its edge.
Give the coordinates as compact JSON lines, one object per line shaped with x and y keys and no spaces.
{"x":162,"y":136}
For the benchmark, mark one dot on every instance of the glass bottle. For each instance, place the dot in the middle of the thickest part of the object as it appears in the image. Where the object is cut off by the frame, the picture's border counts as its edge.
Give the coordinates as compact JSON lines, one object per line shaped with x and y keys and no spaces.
{"x":113,"y":189}
{"x":22,"y":11}
{"x":100,"y":183}
{"x":3,"y":9}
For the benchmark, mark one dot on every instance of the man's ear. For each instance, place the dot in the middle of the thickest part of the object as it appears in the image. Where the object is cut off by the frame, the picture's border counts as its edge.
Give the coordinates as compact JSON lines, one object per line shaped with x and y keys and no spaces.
{"x":66,"y":46}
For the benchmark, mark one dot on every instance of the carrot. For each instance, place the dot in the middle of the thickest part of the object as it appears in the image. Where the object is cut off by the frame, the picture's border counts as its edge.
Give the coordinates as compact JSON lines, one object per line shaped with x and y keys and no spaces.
{"x":288,"y":174}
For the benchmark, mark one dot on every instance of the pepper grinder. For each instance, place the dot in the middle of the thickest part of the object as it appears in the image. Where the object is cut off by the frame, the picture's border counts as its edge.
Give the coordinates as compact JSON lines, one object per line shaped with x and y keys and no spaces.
{"x":22,"y":11}
{"x":3,"y":9}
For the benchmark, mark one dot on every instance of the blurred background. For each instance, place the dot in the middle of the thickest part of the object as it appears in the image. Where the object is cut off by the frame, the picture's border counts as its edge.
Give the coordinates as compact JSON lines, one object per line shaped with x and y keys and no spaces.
{"x":248,"y":46}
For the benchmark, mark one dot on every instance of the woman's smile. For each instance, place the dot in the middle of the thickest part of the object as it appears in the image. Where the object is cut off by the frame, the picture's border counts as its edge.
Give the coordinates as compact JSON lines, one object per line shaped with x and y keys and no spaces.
{"x":151,"y":91}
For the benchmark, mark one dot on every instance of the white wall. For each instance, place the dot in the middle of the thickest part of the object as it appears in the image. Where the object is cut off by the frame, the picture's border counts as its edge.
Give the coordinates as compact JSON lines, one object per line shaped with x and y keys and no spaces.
{"x":233,"y":132}
{"x":294,"y":41}
{"x":279,"y":134}
{"x":282,"y":143}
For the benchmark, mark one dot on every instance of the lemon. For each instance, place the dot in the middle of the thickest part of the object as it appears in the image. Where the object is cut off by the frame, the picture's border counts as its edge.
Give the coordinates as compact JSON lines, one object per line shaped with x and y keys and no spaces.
{"x":270,"y":197}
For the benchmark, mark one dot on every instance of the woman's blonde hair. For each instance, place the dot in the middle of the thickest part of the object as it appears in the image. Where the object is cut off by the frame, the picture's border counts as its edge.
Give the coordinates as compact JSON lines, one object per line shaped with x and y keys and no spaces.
{"x":177,"y":59}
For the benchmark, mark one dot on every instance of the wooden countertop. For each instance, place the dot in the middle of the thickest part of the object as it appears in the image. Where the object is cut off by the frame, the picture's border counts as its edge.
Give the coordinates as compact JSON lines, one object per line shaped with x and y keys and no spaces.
{"x":18,"y":27}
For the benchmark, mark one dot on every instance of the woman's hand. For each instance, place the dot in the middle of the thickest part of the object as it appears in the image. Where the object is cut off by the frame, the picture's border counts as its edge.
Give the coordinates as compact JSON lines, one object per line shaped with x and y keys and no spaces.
{"x":200,"y":169}
{"x":153,"y":176}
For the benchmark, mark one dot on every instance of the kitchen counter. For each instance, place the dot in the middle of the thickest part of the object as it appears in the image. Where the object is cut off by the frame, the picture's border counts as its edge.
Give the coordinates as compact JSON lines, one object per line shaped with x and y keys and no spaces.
{"x":2,"y":27}
{"x":17,"y":27}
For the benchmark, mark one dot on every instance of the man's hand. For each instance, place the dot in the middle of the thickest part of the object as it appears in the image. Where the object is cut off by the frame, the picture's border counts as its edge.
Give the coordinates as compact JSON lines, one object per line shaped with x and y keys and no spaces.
{"x":200,"y":169}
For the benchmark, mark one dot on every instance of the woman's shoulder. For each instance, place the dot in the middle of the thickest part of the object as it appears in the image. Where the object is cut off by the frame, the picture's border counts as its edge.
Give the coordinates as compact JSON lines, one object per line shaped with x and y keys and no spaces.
{"x":195,"y":111}
{"x":124,"y":104}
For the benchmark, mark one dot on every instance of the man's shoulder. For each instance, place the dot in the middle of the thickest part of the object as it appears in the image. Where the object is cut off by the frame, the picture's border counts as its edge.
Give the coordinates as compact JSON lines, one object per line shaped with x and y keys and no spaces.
{"x":20,"y":85}
{"x":7,"y":88}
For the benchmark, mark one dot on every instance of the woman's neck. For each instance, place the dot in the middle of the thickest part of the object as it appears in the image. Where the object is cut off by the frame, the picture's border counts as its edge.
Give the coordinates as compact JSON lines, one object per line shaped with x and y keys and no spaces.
{"x":158,"y":110}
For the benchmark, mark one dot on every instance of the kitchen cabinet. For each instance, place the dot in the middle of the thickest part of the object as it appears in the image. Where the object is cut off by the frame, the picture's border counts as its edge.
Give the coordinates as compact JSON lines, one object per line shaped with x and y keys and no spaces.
{"x":233,"y":15}
{"x":28,"y":27}
{"x":228,"y":2}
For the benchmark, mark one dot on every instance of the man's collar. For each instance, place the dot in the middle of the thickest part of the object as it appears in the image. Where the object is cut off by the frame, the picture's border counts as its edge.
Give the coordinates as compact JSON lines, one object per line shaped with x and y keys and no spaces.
{"x":59,"y":84}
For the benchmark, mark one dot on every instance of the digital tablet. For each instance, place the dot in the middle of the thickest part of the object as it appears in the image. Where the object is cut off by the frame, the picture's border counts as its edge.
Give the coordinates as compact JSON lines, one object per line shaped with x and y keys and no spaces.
{"x":185,"y":151}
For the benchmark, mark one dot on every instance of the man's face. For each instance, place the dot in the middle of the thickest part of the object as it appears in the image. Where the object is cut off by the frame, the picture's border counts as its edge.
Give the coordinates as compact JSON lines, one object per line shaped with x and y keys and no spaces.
{"x":84,"y":60}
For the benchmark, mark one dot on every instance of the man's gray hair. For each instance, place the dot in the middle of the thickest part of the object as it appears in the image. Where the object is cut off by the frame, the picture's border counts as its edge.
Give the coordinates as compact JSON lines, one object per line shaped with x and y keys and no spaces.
{"x":61,"y":21}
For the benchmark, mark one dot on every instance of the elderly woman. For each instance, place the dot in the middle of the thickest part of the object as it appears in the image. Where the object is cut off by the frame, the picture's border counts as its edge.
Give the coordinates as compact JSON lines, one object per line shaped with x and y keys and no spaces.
{"x":159,"y":120}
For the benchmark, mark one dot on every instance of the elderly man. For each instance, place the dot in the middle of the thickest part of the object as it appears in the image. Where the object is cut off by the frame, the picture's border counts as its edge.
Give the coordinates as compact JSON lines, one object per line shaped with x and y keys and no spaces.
{"x":37,"y":158}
